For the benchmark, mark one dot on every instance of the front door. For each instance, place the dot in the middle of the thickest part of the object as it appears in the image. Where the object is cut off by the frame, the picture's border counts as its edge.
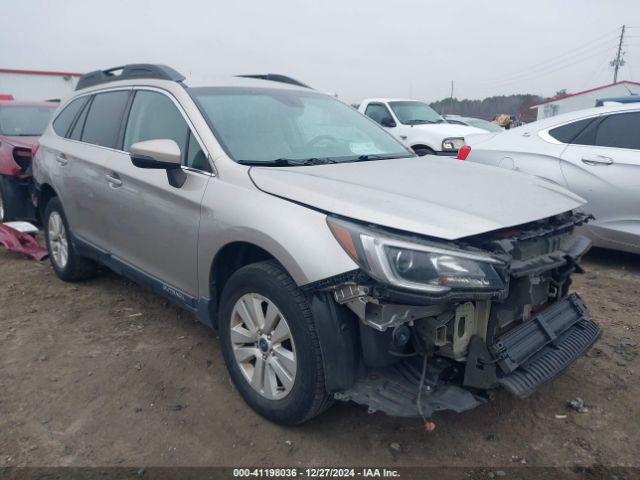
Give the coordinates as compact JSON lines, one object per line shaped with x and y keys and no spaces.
{"x":154,"y":228}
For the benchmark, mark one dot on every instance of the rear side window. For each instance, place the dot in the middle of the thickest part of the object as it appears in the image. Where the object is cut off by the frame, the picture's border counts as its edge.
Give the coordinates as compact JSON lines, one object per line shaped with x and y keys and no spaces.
{"x":104,"y":119}
{"x":65,"y":118}
{"x":566,"y":133}
{"x":620,"y":131}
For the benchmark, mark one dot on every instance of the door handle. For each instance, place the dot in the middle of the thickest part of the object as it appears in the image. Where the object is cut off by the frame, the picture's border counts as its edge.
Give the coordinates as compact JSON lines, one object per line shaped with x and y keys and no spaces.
{"x":61,"y":158}
{"x":597,"y":160}
{"x":403,"y":137}
{"x":113,"y":180}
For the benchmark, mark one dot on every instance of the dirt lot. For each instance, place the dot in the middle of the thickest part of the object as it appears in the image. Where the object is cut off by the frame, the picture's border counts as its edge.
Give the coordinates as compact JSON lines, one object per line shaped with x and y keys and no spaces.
{"x":105,"y":373}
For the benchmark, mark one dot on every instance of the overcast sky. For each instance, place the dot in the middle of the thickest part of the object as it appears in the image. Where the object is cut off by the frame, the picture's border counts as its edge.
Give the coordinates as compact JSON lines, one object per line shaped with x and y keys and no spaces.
{"x":355,"y":48}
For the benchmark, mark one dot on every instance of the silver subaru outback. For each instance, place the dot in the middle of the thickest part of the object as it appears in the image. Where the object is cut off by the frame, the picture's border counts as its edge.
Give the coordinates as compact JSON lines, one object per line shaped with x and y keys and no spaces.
{"x":335,"y":264}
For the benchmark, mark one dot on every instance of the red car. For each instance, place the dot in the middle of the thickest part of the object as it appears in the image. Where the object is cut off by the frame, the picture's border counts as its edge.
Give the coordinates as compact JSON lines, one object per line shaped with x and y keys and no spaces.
{"x":21,"y":124}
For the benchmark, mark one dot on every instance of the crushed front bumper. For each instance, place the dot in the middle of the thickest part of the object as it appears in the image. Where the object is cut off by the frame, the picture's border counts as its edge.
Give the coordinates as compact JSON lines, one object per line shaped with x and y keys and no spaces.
{"x":538,"y":350}
{"x":520,"y":361}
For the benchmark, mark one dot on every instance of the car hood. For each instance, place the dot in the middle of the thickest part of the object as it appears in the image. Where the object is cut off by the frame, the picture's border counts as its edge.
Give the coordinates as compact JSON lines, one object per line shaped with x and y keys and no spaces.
{"x":16,"y":141}
{"x":429,"y":195}
{"x":447,"y":130}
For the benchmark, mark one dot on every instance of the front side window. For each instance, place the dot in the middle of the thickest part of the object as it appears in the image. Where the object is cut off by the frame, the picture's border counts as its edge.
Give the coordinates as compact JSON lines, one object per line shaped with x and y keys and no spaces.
{"x":154,"y":116}
{"x":265,"y":125}
{"x":24,"y":121}
{"x":415,"y":113}
{"x":104,"y":119}
{"x":621,"y":130}
{"x":379,"y":113}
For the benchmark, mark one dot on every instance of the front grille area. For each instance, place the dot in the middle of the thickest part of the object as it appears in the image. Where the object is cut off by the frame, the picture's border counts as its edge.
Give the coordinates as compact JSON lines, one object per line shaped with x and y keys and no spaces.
{"x":551,"y":360}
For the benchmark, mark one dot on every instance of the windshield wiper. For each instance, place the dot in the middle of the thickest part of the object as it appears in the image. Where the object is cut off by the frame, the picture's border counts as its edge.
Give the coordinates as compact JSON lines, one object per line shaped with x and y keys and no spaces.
{"x":368,"y":158}
{"x":287,"y":162}
{"x":417,"y":122}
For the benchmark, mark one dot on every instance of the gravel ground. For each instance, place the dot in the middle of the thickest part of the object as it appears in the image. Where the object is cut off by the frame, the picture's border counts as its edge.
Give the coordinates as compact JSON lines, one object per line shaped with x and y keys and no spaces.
{"x":104,"y":373}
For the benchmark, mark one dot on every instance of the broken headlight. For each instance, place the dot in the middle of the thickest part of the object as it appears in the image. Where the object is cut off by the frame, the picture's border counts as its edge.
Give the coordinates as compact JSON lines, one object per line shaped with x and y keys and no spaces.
{"x":452,"y":144}
{"x":415,"y":265}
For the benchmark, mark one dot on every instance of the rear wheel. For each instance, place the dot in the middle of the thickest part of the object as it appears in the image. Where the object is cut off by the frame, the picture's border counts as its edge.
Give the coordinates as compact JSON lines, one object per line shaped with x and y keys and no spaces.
{"x":270,"y":345}
{"x":66,"y":262}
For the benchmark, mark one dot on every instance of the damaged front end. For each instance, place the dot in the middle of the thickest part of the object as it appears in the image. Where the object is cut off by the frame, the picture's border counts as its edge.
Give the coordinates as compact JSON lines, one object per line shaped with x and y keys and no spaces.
{"x":441,"y":325}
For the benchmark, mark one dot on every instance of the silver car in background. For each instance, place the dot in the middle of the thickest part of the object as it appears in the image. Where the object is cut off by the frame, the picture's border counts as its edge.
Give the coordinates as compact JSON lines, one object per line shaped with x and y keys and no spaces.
{"x":474,"y":122}
{"x":334,"y":262}
{"x":595,"y":153}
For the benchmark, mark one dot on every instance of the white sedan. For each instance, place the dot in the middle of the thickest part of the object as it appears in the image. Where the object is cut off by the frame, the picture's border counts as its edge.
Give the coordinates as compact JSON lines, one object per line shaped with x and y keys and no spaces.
{"x":594,"y":152}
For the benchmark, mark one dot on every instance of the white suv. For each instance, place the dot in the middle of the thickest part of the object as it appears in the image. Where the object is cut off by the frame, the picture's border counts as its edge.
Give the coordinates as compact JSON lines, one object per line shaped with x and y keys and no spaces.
{"x":334,"y":262}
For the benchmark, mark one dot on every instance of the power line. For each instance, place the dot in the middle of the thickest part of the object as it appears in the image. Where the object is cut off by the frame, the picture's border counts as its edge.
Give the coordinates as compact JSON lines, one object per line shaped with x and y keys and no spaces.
{"x":554,"y":62}
{"x":550,"y":69}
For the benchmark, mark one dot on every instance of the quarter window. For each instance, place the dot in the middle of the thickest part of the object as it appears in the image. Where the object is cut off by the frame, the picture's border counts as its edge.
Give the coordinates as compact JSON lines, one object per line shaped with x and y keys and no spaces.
{"x":76,"y":131}
{"x":621,"y":130}
{"x":65,"y":118}
{"x":566,"y":133}
{"x":196,"y":158}
{"x":102,"y":126}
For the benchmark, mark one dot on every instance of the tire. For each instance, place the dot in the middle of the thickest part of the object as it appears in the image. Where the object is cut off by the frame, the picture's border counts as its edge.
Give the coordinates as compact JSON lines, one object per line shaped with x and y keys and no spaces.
{"x":268,"y":286}
{"x":422,"y":151}
{"x":68,"y":265}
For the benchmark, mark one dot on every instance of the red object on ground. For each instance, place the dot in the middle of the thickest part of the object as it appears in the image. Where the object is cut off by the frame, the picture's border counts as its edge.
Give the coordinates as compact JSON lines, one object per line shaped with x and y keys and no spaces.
{"x":16,"y":241}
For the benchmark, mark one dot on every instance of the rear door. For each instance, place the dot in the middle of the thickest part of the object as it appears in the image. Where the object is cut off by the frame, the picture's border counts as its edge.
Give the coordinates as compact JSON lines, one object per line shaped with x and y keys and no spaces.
{"x":603,"y":165}
{"x":154,"y":226}
{"x":91,"y":142}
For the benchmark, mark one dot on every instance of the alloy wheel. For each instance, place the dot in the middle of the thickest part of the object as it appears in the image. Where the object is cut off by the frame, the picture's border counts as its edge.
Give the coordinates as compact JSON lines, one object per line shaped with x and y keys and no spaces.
{"x":58,"y":242}
{"x":263,"y":347}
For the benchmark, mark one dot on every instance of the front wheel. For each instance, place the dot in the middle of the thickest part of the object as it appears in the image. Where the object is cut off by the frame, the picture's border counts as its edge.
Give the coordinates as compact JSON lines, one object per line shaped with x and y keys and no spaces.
{"x":422,"y":151}
{"x":270,"y":345}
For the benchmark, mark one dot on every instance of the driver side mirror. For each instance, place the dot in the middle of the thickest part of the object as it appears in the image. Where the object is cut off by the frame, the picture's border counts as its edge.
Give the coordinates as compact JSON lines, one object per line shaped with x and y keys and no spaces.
{"x":163,"y":154}
{"x":387,"y":122}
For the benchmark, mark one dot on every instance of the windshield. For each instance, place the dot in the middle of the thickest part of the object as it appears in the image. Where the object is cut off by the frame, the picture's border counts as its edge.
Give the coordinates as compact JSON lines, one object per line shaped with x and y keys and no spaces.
{"x":485,"y":125}
{"x":24,"y":121}
{"x":261,"y":125}
{"x":415,"y":113}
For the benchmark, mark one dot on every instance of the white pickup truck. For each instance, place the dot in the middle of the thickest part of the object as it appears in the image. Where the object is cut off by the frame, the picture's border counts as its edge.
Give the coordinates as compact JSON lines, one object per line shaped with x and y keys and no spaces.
{"x":417,"y":125}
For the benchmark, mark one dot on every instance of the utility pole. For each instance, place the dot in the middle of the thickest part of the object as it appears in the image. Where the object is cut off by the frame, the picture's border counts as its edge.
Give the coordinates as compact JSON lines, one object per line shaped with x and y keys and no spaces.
{"x":451,"y":99}
{"x":617,"y":62}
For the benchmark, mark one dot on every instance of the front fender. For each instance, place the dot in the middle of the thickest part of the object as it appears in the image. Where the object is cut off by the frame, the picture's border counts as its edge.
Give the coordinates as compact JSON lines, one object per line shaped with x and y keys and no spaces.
{"x":298,"y":237}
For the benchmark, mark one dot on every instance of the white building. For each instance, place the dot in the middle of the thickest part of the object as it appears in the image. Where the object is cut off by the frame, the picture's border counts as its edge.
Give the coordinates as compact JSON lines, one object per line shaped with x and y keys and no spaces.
{"x":36,"y":84}
{"x":585,"y":99}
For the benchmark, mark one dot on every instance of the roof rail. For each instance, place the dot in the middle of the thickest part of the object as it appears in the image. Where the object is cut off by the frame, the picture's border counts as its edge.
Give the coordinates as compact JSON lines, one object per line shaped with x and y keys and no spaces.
{"x":132,"y":71}
{"x":276,"y":77}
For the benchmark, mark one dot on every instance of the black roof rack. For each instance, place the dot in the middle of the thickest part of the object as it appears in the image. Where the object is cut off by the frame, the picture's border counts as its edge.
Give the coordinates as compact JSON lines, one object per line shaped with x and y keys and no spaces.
{"x":276,"y":77}
{"x":136,"y":70}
